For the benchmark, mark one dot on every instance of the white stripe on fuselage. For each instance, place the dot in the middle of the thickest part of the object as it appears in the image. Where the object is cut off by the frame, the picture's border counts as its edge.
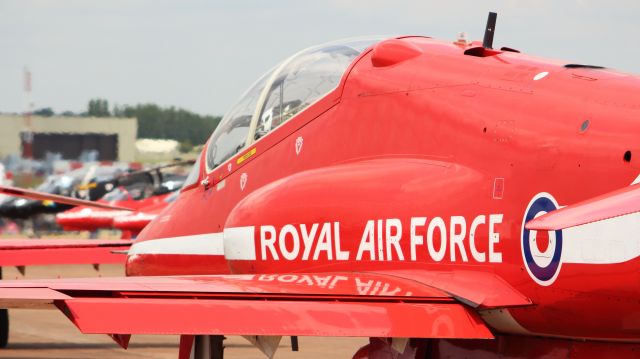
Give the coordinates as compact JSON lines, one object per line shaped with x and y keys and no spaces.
{"x":239,"y":243}
{"x":199,"y":244}
{"x":614,"y":240}
{"x":609,"y":241}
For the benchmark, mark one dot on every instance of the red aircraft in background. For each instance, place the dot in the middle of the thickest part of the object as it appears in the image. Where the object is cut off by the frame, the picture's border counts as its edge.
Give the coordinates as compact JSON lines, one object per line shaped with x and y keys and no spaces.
{"x":88,"y":218}
{"x":144,"y":197}
{"x":28,"y":252}
{"x":443,"y":199}
{"x":135,"y":222}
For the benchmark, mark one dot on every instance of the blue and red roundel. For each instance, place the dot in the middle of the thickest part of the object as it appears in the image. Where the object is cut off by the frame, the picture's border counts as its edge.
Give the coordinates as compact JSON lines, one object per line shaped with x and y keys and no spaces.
{"x":541,"y":252}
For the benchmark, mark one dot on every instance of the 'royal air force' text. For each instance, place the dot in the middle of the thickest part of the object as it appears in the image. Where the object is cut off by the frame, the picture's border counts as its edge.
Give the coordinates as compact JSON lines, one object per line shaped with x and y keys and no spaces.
{"x":439,"y":239}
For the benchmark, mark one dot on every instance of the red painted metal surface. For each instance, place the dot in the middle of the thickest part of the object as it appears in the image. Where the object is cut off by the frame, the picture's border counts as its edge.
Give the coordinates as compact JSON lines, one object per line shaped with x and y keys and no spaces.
{"x":28,"y":244}
{"x":393,"y":51}
{"x":299,"y":285}
{"x":431,"y":137}
{"x":479,"y":289}
{"x":617,"y":203}
{"x":85,"y":218}
{"x":121,"y":339}
{"x":23,"y":252}
{"x":338,"y":304}
{"x":428,"y":167}
{"x":316,"y":318}
{"x":185,"y":347}
{"x":136,"y":221}
{"x":156,"y":264}
{"x":440,"y":135}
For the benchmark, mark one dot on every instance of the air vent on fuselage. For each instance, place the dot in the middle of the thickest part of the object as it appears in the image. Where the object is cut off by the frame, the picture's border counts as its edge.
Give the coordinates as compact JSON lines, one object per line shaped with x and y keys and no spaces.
{"x":508,"y":49}
{"x":581,"y":66}
{"x":480,"y":51}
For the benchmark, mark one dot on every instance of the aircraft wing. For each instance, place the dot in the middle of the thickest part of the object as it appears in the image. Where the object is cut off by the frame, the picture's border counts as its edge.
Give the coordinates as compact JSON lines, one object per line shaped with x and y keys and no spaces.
{"x":610,"y":205}
{"x":24,"y":252}
{"x":37,"y":195}
{"x":314,"y":304}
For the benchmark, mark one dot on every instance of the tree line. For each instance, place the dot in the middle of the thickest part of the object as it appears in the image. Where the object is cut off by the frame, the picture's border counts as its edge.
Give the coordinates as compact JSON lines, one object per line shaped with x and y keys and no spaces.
{"x":154,"y":121}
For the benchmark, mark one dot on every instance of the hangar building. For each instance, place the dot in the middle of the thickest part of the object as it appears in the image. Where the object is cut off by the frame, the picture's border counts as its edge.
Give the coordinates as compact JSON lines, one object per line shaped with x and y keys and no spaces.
{"x":113,"y":138}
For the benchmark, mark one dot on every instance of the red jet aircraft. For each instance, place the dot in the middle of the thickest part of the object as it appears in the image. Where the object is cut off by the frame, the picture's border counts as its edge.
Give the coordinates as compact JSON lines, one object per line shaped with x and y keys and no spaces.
{"x":87,"y":218}
{"x":146,"y":198}
{"x":407,"y":190}
{"x":135,"y":222}
{"x":28,"y":252}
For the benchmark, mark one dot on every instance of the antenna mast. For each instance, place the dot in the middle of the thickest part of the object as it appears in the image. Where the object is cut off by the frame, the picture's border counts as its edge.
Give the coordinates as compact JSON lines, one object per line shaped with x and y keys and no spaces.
{"x":27,"y":134}
{"x":489,"y":31}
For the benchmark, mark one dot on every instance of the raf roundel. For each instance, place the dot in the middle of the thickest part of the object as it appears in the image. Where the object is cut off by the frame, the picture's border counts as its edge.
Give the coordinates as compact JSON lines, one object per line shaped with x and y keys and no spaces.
{"x":541,"y":250}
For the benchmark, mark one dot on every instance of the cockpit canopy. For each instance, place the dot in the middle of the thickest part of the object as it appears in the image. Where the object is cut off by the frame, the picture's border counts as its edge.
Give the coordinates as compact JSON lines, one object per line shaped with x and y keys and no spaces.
{"x":280,"y":94}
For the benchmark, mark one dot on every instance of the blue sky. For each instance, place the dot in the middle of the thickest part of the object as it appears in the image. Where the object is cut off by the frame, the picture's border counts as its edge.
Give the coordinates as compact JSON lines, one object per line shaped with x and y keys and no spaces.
{"x":201,"y":55}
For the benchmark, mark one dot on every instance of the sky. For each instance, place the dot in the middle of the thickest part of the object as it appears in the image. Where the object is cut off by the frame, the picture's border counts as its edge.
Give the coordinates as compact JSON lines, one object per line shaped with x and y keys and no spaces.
{"x":202,"y":55}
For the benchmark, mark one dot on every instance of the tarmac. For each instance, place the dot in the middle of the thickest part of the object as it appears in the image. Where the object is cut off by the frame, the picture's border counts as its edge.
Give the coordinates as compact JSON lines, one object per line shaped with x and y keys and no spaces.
{"x":49,"y":334}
